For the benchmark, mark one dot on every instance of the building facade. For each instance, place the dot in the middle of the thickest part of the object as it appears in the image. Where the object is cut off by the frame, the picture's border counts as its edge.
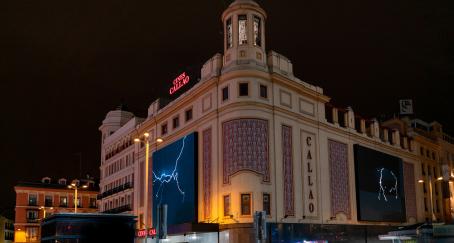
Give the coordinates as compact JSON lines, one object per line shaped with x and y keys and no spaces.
{"x":436,"y":151}
{"x":264,"y":140}
{"x":6,"y":230}
{"x":37,"y":200}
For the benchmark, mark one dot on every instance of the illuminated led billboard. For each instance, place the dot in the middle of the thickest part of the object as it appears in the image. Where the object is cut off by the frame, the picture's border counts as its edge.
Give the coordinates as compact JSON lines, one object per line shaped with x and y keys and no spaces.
{"x":379,"y":186}
{"x":175,"y":180}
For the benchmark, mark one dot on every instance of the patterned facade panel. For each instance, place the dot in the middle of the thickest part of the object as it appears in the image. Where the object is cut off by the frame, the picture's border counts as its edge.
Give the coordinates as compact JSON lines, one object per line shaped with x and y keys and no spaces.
{"x":289,"y":202}
{"x":207,"y":164}
{"x":410,"y":191}
{"x":245,"y":148}
{"x":339,"y":183}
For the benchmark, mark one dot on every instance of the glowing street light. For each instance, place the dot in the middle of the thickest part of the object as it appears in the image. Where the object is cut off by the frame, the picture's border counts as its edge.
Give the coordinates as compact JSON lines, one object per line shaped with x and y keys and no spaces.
{"x":145,"y":140}
{"x":75,"y":188}
{"x":44,"y":210}
{"x":430,"y":193}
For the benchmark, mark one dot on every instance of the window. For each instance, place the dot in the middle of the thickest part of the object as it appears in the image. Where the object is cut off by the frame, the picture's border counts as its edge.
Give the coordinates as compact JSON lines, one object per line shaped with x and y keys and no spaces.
{"x":226,"y":205}
{"x":433,"y":155}
{"x":244,"y":89}
{"x":32,"y":200}
{"x":421,"y":150}
{"x":48,"y":201}
{"x":246,"y":204}
{"x":267,"y":203}
{"x":164,"y":129}
{"x":242,"y":29}
{"x":176,"y":122}
{"x":225,"y":93}
{"x":79,"y":202}
{"x":423,"y":169}
{"x":32,"y":214}
{"x":31,"y":234}
{"x":263,"y":91}
{"x":188,"y":114}
{"x":229,"y":33}
{"x":63,"y":201}
{"x":257,"y":31}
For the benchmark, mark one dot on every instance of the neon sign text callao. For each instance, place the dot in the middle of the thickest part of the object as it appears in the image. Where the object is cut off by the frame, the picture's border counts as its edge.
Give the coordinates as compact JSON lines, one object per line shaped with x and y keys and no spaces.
{"x":179,"y":82}
{"x":146,"y":233}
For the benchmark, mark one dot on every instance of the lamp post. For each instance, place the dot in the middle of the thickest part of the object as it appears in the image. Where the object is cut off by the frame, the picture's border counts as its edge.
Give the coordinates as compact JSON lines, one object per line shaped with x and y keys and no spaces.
{"x":44,"y":210}
{"x":144,"y":139}
{"x":75,"y":188}
{"x":431,"y":196}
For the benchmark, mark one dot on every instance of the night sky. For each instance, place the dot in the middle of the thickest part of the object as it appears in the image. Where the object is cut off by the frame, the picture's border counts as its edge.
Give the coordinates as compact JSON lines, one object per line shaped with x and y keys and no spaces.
{"x":65,"y":64}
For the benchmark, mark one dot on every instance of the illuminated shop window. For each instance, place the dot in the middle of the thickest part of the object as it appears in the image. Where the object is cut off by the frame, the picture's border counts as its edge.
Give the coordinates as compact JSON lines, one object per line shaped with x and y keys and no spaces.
{"x":257,"y":31}
{"x":188,"y":114}
{"x":263,"y":91}
{"x":176,"y":122}
{"x":229,"y":33}
{"x":242,"y":29}
{"x":227,"y":205}
{"x":246,"y":204}
{"x":243,"y":89}
{"x":225,"y":93}
{"x":31,"y":234}
{"x":267,"y":203}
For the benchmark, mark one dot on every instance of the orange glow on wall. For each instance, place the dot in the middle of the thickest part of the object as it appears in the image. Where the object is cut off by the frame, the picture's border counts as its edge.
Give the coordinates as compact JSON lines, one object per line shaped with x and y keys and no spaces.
{"x":19,"y":236}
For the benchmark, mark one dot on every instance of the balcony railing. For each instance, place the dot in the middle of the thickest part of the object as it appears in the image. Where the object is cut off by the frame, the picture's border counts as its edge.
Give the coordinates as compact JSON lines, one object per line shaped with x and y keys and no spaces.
{"x":33,"y":220}
{"x":115,"y":190}
{"x":121,"y":209}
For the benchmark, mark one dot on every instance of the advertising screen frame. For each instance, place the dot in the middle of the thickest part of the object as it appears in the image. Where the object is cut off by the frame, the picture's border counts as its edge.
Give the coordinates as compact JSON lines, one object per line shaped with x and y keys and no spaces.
{"x":195,"y":169}
{"x":359,"y":165}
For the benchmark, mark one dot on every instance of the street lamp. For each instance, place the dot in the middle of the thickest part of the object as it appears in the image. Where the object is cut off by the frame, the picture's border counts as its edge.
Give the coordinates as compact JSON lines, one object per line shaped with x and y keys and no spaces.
{"x":430,"y":193}
{"x":145,"y":140}
{"x":44,"y":210}
{"x":75,"y":188}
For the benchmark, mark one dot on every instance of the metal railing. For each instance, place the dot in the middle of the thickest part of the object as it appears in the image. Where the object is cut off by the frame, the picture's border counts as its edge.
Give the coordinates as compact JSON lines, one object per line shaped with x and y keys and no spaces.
{"x":121,"y":209}
{"x":115,"y":190}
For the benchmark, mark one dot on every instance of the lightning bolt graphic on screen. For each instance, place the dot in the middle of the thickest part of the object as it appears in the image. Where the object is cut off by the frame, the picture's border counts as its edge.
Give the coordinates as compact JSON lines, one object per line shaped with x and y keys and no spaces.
{"x":383,"y":188}
{"x":165,"y":178}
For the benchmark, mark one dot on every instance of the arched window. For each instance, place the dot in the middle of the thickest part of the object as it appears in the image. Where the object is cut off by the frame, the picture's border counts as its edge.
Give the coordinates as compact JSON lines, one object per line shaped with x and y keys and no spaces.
{"x":242,"y":29}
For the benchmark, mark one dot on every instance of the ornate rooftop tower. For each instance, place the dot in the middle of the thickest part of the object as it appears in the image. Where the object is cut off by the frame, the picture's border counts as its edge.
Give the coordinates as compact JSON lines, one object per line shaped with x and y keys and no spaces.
{"x":244,"y":35}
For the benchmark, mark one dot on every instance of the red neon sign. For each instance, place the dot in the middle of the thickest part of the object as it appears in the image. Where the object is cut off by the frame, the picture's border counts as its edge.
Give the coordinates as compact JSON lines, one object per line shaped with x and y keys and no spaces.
{"x":179,"y":82}
{"x":146,"y":233}
{"x":142,"y":233}
{"x":152,"y":232}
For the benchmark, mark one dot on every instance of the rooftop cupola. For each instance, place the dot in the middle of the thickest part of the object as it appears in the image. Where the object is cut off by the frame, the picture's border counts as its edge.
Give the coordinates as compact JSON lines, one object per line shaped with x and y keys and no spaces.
{"x":244,"y":35}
